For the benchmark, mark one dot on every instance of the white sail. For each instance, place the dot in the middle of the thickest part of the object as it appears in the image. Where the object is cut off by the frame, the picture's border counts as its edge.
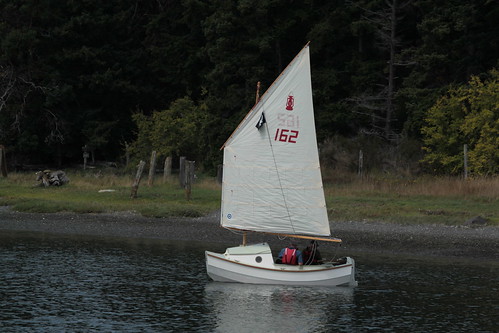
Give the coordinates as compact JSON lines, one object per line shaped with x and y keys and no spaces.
{"x":271,"y":174}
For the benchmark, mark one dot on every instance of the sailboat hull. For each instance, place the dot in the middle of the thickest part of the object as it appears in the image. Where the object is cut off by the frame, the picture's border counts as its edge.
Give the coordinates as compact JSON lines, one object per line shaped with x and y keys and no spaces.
{"x":251,"y":264}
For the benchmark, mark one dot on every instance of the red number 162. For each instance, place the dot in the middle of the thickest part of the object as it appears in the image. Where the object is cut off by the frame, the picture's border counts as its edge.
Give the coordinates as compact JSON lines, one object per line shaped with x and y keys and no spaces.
{"x":285,"y":135}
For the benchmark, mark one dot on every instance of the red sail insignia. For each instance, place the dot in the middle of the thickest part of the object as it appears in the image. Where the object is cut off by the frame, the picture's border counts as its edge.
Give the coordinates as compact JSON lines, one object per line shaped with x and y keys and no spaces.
{"x":290,"y":103}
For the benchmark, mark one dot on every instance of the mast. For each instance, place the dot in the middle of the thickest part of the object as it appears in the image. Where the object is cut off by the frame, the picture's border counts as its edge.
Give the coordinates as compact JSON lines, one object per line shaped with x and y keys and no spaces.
{"x":257,"y":93}
{"x":257,"y":98}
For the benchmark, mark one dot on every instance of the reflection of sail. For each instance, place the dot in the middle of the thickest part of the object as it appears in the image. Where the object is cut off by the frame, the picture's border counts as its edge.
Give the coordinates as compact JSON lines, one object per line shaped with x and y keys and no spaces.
{"x":263,"y":308}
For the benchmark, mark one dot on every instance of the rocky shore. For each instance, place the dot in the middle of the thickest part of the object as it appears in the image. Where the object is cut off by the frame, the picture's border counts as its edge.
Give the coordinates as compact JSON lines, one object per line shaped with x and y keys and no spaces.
{"x":436,"y":241}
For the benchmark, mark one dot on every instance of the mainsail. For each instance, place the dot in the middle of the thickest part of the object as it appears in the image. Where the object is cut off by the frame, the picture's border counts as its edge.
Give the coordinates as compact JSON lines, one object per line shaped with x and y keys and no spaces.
{"x":271,"y":173}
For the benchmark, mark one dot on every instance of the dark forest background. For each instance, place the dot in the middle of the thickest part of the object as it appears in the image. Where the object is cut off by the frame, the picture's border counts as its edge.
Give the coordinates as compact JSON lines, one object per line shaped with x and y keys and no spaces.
{"x":104,"y":73}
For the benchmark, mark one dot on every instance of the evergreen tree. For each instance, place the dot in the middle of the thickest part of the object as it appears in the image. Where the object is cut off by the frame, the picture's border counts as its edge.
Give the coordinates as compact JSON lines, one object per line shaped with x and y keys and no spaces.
{"x":73,"y":73}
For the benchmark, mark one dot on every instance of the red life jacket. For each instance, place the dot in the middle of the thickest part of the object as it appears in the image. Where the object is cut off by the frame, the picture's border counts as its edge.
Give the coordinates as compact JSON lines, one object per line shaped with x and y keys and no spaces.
{"x":289,"y":256}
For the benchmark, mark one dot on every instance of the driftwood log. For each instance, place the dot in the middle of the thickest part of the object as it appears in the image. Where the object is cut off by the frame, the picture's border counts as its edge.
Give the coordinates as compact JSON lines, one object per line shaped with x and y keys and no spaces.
{"x":51,"y":178}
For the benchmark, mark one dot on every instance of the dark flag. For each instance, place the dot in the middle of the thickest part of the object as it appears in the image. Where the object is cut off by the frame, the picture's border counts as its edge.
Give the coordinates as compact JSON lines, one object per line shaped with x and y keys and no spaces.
{"x":261,"y":121}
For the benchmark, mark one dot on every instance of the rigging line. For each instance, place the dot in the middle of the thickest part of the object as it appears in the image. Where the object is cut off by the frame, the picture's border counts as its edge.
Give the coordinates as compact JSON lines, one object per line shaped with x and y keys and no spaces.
{"x":334,"y":254}
{"x":310,"y":259}
{"x":279,"y":176}
{"x":236,"y":232}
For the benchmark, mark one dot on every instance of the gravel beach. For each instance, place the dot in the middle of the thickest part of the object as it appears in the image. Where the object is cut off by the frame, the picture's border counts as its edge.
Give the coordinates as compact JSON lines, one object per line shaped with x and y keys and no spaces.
{"x":459,"y":242}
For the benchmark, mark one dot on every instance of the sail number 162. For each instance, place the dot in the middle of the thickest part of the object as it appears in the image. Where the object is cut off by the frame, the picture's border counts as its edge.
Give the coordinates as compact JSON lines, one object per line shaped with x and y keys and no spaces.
{"x":285,"y":135}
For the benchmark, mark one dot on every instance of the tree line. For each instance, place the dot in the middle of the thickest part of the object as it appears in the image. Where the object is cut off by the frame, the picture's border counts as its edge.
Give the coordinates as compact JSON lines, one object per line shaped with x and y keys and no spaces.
{"x":123,"y":76}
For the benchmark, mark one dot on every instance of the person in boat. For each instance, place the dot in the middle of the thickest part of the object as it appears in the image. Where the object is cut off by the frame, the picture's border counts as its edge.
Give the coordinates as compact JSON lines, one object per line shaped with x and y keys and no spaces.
{"x":290,"y":255}
{"x":311,"y":254}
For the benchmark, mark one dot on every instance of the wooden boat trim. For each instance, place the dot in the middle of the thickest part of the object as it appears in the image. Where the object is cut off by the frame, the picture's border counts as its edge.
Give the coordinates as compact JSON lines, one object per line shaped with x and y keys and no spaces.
{"x":334,"y":240}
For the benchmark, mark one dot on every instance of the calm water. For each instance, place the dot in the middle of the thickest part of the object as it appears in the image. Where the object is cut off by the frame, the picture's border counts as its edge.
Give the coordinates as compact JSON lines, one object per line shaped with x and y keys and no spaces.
{"x":81,"y":284}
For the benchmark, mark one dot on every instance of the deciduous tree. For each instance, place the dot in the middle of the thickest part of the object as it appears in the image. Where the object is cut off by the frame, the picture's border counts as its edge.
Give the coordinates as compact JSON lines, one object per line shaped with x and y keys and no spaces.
{"x":467,"y":114}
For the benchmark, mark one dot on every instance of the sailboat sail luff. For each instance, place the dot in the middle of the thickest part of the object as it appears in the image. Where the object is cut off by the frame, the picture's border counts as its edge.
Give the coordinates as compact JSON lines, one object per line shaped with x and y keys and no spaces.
{"x":271,"y":179}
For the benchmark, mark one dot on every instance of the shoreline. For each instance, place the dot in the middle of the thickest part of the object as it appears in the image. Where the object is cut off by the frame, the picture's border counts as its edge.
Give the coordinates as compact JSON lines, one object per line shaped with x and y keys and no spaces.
{"x":419,"y":241}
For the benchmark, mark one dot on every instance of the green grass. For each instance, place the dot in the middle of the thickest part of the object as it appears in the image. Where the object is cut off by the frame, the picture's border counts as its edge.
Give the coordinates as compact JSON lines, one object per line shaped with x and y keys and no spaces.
{"x":82,"y":195}
{"x":425,"y":200}
{"x":410,"y":209}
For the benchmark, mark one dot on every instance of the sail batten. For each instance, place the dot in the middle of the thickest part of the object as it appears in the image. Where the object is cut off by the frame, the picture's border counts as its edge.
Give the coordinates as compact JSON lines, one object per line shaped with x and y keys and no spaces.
{"x":271,"y":179}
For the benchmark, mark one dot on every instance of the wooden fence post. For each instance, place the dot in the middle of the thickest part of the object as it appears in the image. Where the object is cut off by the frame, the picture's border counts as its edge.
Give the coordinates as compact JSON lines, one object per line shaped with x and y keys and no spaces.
{"x":465,"y":152}
{"x":152,"y":168}
{"x":86,"y":155}
{"x":361,"y":162}
{"x":189,"y":178}
{"x":3,"y":161}
{"x":167,"y":169}
{"x":181,"y":171}
{"x":138,"y":176}
{"x":220,"y":173}
{"x":127,"y":154}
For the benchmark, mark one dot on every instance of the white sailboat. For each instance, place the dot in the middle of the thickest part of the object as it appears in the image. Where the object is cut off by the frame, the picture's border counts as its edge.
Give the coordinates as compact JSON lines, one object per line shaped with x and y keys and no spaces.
{"x":272,"y":184}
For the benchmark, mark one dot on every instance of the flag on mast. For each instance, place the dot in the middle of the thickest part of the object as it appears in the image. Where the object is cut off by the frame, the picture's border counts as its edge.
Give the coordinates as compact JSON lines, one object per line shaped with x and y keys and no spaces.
{"x":261,"y":121}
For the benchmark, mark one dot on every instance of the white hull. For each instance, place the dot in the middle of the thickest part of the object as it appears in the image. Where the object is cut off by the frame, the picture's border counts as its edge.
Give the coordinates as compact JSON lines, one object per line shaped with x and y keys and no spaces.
{"x":254,"y":264}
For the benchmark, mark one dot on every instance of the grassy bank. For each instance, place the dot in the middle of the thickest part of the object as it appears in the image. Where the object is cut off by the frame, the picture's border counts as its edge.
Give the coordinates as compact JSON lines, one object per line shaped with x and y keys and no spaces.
{"x":431,"y":200}
{"x":423,"y":200}
{"x":94,"y":192}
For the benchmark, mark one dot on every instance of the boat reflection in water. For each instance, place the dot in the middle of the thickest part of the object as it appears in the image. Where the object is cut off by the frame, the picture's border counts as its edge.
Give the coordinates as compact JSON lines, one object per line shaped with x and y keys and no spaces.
{"x":257,"y":308}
